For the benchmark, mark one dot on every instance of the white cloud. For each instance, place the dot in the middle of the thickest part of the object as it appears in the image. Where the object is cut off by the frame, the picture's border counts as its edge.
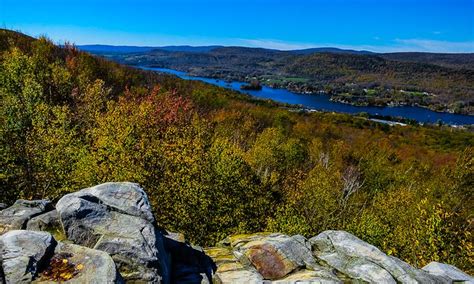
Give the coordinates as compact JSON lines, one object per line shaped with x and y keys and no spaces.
{"x":273,"y":44}
{"x":288,"y":45}
{"x":397,"y":45}
{"x":428,"y":45}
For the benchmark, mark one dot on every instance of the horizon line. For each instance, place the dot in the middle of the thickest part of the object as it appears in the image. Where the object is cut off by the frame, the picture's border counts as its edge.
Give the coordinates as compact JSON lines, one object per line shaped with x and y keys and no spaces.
{"x":266,"y":48}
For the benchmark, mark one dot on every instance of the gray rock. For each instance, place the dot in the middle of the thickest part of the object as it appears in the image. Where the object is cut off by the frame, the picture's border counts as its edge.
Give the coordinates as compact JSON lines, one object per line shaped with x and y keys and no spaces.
{"x":134,"y":244}
{"x":116,"y":218}
{"x":27,"y":254}
{"x":419,"y":275}
{"x":125,"y":197}
{"x":362,"y":261}
{"x":229,"y":269}
{"x":263,"y":257}
{"x":238,"y":276}
{"x":306,"y":277}
{"x":277,"y":255}
{"x":448,"y":271}
{"x":24,"y":253}
{"x":178,"y":237}
{"x":45,"y":222}
{"x":16,"y":216}
{"x":3,"y":206}
{"x":90,"y":266}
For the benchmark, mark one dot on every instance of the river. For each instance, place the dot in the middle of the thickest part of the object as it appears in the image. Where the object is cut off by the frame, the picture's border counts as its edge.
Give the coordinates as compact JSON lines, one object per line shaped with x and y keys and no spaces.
{"x":322,"y":102}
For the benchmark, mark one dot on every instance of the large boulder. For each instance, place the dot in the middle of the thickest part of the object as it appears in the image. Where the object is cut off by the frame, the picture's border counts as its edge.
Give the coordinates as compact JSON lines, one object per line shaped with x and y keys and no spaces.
{"x":362,"y":261}
{"x":276,"y":255}
{"x":24,"y":253}
{"x":117,"y":218}
{"x":264,"y":257}
{"x":31,"y":256}
{"x":125,"y":197}
{"x":448,"y":271}
{"x":16,"y":216}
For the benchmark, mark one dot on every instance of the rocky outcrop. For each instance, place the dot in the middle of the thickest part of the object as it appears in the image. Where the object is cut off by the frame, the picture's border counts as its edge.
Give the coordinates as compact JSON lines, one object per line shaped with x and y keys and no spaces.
{"x":23,"y":253}
{"x":116,"y":218}
{"x":29,"y":256}
{"x":16,"y":216}
{"x":448,"y":271}
{"x":108,"y":234}
{"x":276,"y":255}
{"x":360,"y":260}
{"x":330,"y":257}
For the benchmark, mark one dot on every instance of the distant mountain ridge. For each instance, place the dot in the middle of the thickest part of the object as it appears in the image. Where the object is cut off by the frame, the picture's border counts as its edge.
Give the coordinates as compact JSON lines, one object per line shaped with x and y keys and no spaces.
{"x":331,"y":50}
{"x":102,"y":48}
{"x":450,"y":60}
{"x":208,"y":48}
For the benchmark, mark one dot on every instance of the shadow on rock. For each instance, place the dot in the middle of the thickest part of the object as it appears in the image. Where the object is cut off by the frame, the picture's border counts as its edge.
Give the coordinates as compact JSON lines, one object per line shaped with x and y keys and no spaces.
{"x":188,"y":264}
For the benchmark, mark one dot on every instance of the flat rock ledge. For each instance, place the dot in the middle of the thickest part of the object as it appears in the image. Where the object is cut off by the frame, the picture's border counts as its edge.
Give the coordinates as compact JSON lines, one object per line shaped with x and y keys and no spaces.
{"x":108,"y":234}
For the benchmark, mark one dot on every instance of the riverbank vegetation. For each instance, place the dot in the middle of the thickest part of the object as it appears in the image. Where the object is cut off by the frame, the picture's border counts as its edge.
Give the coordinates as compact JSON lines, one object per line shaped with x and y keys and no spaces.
{"x":215,"y":162}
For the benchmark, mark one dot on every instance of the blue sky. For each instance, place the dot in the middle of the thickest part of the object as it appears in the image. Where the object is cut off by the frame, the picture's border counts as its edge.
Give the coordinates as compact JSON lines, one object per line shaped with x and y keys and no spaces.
{"x":383,"y":25}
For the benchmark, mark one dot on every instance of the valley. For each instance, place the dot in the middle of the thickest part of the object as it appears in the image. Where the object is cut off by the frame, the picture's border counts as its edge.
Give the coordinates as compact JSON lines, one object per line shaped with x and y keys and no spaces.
{"x":440,"y":82}
{"x":325,"y":102}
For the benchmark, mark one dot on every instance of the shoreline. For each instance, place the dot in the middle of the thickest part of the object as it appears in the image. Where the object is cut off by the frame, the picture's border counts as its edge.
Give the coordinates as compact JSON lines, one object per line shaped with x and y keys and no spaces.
{"x":223,"y":82}
{"x":333,"y":97}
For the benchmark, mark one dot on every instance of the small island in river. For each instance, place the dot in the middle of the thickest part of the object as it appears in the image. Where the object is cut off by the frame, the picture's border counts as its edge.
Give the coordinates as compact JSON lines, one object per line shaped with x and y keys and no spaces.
{"x":254,"y":86}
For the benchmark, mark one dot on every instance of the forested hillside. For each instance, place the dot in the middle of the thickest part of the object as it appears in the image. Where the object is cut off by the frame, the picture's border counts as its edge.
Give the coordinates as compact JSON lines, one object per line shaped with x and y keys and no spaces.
{"x":215,"y":162}
{"x":452,"y":60}
{"x":392,"y":80}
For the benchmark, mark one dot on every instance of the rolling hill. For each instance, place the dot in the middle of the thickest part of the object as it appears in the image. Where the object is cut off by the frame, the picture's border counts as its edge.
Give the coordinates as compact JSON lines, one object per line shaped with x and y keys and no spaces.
{"x":442,"y":82}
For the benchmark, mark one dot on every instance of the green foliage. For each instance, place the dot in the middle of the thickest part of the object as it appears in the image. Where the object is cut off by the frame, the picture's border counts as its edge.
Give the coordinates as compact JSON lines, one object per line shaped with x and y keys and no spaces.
{"x":54,"y":150}
{"x":215,"y":163}
{"x":273,"y":154}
